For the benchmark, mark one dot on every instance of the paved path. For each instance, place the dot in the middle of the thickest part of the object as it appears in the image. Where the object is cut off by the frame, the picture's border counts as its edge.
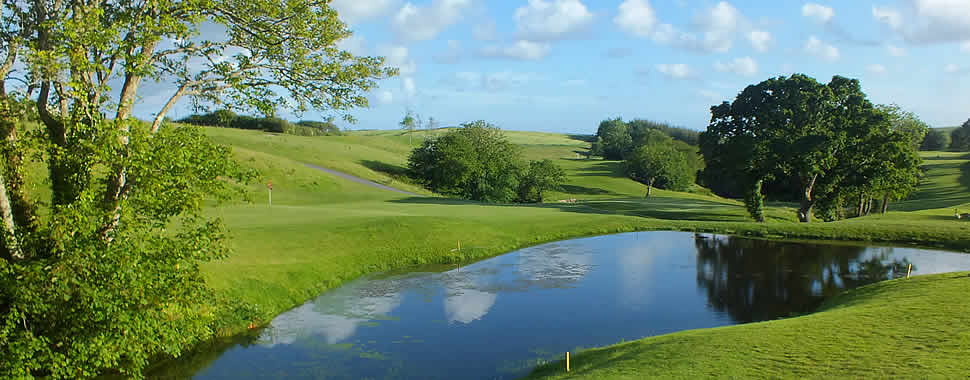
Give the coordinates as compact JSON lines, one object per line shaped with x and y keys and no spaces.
{"x":360,"y":180}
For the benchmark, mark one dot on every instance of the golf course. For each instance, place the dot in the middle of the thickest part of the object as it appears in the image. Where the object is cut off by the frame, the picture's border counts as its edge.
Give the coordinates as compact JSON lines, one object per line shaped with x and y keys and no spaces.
{"x":323,"y":230}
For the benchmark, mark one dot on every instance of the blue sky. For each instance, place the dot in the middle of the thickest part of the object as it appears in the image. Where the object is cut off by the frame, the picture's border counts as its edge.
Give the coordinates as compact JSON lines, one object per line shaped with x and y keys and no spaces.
{"x":564,"y":65}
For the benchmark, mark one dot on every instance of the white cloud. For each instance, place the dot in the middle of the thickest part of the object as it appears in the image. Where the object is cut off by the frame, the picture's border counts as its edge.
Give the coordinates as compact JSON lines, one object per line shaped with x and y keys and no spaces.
{"x":636,"y":17}
{"x":760,"y":40}
{"x":928,"y":21}
{"x":719,"y":24}
{"x":877,"y":68}
{"x":484,"y":31}
{"x":965,"y":47}
{"x":550,"y":20}
{"x":410,"y":89}
{"x":951,"y":68}
{"x":896,"y":51}
{"x":818,"y":12}
{"x":742,"y":66}
{"x":352,"y":11}
{"x":420,"y":23}
{"x":713,"y":29}
{"x":385,"y":97}
{"x":522,"y":49}
{"x":468,"y":305}
{"x":675,"y":70}
{"x":397,"y":56}
{"x":820,"y":49}
{"x":889,"y":16}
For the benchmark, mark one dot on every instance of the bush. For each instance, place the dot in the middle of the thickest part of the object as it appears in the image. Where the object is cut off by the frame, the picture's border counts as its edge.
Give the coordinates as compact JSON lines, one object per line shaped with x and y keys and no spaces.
{"x":541,"y":176}
{"x":476,"y":162}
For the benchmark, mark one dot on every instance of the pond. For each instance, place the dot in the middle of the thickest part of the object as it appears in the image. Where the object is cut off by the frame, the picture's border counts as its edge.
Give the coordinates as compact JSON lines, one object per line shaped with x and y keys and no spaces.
{"x":497,"y":318}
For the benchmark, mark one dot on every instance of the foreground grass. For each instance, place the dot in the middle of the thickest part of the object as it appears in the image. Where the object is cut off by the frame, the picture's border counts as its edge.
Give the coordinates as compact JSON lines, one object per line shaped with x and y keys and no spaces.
{"x":322,"y":231}
{"x":905,"y":328}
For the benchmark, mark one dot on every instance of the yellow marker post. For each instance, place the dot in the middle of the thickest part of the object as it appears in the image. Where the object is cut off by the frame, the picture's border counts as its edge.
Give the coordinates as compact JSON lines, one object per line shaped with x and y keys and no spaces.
{"x":567,"y":361}
{"x":908,"y":272}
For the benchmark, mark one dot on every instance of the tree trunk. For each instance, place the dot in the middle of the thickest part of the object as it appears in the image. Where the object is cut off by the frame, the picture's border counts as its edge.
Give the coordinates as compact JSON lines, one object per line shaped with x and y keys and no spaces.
{"x":9,"y":230}
{"x":805,"y":208}
{"x":885,"y":203}
{"x":868,"y":205}
{"x":861,"y":208}
{"x":649,"y":186}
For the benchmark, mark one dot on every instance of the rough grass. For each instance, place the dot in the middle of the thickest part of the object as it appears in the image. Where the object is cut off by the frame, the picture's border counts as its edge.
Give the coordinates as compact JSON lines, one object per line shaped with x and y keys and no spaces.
{"x":904,"y":328}
{"x":322,"y":231}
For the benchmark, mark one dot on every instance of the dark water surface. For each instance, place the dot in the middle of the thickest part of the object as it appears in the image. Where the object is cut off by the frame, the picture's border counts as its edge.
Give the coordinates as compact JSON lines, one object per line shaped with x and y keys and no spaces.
{"x":498,"y":317}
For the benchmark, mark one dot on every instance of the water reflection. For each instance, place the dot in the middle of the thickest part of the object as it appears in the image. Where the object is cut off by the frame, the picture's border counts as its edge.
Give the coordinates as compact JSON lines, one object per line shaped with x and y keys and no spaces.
{"x":757,"y":280}
{"x":464,"y":302}
{"x":495,"y":318}
{"x":335,"y":317}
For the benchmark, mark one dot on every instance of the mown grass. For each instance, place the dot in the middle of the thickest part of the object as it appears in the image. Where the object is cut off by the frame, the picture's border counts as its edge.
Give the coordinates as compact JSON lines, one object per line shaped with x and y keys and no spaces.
{"x":322,"y":231}
{"x":904,"y":328}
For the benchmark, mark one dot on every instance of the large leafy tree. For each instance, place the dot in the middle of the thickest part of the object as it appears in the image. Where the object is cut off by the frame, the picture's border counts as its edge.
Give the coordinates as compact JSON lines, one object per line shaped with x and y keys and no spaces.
{"x":104,"y":273}
{"x":796,"y":130}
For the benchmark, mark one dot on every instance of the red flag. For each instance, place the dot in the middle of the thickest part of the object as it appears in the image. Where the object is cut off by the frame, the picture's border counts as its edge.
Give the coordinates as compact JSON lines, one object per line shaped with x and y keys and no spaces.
{"x":270,"y":185}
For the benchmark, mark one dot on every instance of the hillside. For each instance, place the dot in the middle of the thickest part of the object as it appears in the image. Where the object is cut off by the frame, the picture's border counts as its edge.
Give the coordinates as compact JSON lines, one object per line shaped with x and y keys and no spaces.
{"x":323,"y":230}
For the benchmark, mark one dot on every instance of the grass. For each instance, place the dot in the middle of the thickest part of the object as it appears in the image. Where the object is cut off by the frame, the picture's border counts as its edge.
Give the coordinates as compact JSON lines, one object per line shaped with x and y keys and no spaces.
{"x":904,"y":328}
{"x":322,"y":231}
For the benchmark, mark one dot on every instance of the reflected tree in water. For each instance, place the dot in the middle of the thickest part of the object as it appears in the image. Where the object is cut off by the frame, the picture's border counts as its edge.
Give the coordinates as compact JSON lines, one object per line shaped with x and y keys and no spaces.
{"x":758,"y":280}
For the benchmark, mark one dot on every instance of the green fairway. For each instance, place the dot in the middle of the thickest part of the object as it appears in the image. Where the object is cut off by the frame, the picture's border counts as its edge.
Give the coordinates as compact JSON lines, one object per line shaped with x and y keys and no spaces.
{"x":904,"y":328}
{"x":323,"y":230}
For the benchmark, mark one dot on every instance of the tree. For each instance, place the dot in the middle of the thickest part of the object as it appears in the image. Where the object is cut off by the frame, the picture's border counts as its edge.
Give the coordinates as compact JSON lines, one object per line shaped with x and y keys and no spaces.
{"x":660,"y":164}
{"x":792,"y":129}
{"x":540,"y":177}
{"x":408,"y":124}
{"x":935,"y":140}
{"x":615,"y":140}
{"x":109,"y":277}
{"x":960,"y":138}
{"x":474,"y":162}
{"x":905,"y":123}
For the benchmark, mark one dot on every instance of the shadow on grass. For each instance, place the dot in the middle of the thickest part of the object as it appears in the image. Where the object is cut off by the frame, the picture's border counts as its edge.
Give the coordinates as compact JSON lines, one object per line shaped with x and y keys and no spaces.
{"x":603,"y":169}
{"x":582,"y":190}
{"x":941,"y":195}
{"x":383,"y":167}
{"x":654,"y":207}
{"x":584,"y":138}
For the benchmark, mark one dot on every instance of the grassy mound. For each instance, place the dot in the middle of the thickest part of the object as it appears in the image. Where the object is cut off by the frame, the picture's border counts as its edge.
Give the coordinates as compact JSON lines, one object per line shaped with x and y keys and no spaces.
{"x":905,"y":328}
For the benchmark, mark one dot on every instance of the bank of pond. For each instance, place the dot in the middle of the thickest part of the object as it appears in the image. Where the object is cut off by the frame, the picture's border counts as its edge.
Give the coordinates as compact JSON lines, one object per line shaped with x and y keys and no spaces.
{"x":500,"y":317}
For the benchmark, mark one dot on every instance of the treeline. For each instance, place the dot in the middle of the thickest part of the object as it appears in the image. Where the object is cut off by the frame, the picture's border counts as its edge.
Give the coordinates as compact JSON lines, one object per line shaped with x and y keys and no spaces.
{"x":475,"y":161}
{"x":615,"y":139}
{"x":960,"y":138}
{"x":228,"y":119}
{"x":655,"y":154}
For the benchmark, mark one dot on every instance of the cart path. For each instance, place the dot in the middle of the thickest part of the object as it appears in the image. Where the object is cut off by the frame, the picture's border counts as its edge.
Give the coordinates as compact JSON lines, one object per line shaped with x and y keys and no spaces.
{"x":360,"y":180}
